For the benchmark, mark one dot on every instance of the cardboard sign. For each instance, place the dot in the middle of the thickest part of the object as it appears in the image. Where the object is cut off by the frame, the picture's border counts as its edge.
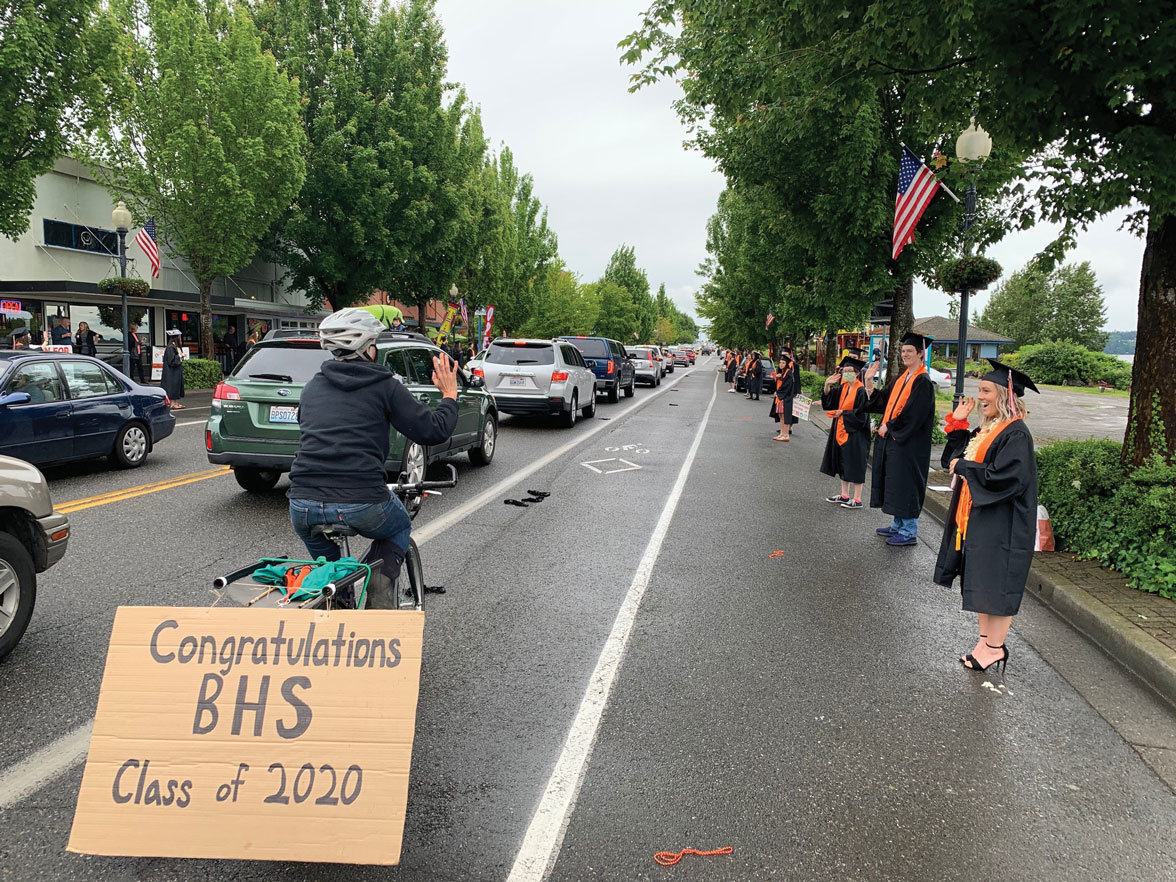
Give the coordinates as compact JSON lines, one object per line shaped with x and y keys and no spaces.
{"x":56,"y":347}
{"x":800,"y":407}
{"x":253,"y":734}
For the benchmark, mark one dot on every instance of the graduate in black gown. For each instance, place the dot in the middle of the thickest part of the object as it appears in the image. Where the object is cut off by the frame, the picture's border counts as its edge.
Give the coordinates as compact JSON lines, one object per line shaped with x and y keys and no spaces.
{"x":787,"y":388}
{"x":902,"y":447}
{"x":991,"y":527}
{"x":755,"y":377}
{"x":848,"y":446}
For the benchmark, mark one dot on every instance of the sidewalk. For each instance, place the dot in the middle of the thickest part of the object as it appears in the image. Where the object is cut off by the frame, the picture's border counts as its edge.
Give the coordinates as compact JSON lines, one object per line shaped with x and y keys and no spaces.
{"x":1135,"y":628}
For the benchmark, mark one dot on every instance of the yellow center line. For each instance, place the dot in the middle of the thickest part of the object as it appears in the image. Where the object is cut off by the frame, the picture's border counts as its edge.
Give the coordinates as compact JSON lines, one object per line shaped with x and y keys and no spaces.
{"x":142,"y":490}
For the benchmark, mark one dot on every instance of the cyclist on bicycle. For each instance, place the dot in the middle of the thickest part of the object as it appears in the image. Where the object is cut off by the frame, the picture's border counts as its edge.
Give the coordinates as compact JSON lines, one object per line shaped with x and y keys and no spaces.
{"x":338,"y":474}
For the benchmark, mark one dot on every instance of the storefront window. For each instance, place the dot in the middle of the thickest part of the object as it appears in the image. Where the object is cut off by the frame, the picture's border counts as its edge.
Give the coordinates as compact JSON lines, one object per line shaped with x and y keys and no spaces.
{"x":188,"y":324}
{"x":258,"y":328}
{"x":20,"y":314}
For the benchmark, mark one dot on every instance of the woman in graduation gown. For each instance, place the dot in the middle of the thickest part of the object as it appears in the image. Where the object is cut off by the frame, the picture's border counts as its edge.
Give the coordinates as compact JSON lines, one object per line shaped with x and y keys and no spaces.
{"x":902,"y":448}
{"x":992,"y":522}
{"x":755,"y":377}
{"x":732,"y":365}
{"x":848,"y":445}
{"x":787,"y":388}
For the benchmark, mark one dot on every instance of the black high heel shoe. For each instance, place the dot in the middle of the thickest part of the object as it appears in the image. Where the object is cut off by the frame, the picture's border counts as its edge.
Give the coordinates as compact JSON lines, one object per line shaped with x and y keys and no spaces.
{"x":969,"y":660}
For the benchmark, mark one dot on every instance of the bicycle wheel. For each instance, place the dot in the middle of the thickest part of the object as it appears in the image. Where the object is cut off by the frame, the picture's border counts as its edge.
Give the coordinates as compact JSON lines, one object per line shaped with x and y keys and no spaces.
{"x":410,"y":585}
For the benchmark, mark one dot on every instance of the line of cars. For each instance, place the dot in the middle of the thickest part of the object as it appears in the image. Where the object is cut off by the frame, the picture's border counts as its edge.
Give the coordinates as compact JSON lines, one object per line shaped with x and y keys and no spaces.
{"x":563,"y":377}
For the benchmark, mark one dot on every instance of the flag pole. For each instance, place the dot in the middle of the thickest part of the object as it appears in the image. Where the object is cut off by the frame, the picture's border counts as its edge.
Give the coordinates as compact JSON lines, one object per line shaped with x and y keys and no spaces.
{"x":944,"y":186}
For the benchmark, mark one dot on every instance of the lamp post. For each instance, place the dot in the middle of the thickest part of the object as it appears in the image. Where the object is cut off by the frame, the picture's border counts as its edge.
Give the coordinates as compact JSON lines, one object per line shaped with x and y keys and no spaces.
{"x":122,"y":223}
{"x":973,"y":145}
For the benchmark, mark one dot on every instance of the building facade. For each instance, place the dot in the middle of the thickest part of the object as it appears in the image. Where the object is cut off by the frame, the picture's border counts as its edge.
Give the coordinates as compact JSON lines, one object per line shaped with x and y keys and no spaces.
{"x":49,"y":276}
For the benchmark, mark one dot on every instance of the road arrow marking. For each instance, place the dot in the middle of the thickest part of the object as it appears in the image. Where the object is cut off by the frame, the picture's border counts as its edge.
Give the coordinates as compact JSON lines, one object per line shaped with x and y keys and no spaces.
{"x":628,"y":466}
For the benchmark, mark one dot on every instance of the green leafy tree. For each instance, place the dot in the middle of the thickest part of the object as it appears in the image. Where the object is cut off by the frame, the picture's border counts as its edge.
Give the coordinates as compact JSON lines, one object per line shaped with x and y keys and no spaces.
{"x":335,"y":238}
{"x":202,"y":132}
{"x":53,"y":54}
{"x":1033,"y":307}
{"x":617,"y":317}
{"x":664,"y":331}
{"x":563,"y":305}
{"x":622,"y":269}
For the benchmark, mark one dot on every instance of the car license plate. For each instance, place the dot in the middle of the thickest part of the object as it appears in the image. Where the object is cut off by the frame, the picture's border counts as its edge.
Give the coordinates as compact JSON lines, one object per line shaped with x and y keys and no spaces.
{"x":516,"y":381}
{"x":283,"y":414}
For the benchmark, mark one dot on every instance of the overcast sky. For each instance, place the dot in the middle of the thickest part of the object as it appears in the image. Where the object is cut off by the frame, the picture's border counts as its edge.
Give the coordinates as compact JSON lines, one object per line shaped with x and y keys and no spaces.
{"x":610,"y":165}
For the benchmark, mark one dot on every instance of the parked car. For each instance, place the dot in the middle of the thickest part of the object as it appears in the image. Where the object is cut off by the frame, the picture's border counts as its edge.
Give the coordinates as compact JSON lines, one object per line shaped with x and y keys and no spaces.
{"x":645,"y":364}
{"x":56,"y":407}
{"x":32,"y":539}
{"x":609,"y":363}
{"x":253,"y":426}
{"x":539,"y":376}
{"x":667,"y":360}
{"x":769,"y":376}
{"x":941,"y":379}
{"x":681,"y":356}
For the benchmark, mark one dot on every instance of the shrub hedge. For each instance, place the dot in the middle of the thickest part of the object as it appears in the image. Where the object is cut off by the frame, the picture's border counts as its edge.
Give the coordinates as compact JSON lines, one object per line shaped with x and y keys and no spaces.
{"x":1068,"y":364}
{"x":1126,"y":521}
{"x":811,"y":384}
{"x":201,"y":373}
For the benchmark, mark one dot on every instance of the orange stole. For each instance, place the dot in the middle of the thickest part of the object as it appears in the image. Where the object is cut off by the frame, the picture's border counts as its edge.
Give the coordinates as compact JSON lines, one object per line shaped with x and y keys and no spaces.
{"x":844,"y":403}
{"x":898,"y":401}
{"x":964,"y":509}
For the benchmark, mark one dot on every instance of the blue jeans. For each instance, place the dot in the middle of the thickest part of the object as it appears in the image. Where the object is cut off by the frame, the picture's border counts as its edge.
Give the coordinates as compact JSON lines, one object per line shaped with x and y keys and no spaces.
{"x":908,"y":527}
{"x":386,"y":523}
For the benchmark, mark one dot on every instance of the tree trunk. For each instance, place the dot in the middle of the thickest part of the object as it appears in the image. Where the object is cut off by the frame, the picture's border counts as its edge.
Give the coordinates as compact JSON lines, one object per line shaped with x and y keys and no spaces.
{"x":206,"y":346}
{"x":422,"y":315}
{"x":900,"y":324}
{"x":1151,"y":424}
{"x":830,"y":351}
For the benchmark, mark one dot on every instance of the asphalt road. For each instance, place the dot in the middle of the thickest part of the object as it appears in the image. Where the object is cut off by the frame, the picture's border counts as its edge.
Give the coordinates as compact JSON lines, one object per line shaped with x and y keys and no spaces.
{"x":805,"y":709}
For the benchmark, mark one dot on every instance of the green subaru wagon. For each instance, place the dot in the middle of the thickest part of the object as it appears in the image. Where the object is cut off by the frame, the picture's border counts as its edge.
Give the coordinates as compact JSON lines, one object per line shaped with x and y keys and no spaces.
{"x":253,"y":427}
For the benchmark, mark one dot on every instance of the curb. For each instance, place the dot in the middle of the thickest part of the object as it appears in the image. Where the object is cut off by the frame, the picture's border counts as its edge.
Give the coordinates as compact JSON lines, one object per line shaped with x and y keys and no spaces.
{"x":1143,"y":655}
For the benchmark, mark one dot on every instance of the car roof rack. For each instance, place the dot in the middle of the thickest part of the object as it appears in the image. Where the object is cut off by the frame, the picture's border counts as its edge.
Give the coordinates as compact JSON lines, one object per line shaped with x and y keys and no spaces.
{"x":286,"y":333}
{"x":389,"y":336}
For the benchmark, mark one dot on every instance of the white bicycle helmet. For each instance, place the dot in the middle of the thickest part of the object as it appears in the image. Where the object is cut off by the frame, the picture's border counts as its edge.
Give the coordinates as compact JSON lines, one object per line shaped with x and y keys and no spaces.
{"x":348,"y":333}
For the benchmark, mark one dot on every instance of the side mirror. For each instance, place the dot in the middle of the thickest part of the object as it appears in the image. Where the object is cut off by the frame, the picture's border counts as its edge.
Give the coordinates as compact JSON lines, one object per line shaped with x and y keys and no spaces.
{"x":477,"y":382}
{"x":14,"y":398}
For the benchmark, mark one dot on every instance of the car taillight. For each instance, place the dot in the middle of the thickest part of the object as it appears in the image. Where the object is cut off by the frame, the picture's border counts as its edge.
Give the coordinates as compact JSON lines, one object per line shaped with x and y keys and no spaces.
{"x":208,"y":439}
{"x":611,"y":367}
{"x":559,"y":376}
{"x":225,"y":392}
{"x":166,"y":401}
{"x":478,"y":372}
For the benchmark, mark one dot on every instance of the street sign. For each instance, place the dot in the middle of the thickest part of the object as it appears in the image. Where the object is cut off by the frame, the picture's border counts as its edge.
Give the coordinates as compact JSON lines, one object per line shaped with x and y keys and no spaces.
{"x":262,"y":734}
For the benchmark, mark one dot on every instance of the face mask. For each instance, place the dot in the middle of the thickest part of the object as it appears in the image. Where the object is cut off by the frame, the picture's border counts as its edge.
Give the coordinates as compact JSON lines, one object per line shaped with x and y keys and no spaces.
{"x":848,"y":376}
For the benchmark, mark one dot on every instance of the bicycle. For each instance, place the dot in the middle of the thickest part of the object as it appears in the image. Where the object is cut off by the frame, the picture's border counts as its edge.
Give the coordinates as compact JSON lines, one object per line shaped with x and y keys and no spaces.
{"x":351,"y":591}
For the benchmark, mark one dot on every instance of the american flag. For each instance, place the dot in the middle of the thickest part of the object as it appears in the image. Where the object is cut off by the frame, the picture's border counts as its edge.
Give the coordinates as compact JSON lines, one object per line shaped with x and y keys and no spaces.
{"x":771,"y":318}
{"x":465,"y":313}
{"x":916,"y":189}
{"x":145,"y":239}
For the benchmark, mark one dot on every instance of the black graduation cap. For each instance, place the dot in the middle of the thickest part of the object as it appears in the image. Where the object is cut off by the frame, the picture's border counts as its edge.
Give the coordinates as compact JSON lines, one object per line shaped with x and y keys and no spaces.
{"x":20,"y":332}
{"x":849,"y":361}
{"x":917,"y":340}
{"x":1000,"y":375}
{"x":856,"y":351}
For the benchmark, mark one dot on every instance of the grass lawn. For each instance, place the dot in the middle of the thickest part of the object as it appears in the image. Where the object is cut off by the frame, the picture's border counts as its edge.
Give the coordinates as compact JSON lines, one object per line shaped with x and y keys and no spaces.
{"x":1090,"y":390}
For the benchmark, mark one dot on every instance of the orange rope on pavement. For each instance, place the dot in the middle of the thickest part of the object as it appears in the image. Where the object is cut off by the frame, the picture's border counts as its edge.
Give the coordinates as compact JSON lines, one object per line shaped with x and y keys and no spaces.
{"x":669,"y":858}
{"x":776,"y":554}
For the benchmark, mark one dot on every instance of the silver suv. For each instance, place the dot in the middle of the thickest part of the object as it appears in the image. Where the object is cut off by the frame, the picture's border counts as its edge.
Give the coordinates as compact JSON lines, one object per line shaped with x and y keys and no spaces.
{"x":539,"y":377}
{"x":32,"y":539}
{"x":647,"y":363}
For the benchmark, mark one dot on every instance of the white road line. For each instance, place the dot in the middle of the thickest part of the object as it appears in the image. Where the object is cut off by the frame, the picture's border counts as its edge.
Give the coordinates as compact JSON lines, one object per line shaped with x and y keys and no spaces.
{"x":192,"y":423}
{"x":39,"y":769}
{"x":546,"y":832}
{"x":35,"y":771}
{"x":435,"y":528}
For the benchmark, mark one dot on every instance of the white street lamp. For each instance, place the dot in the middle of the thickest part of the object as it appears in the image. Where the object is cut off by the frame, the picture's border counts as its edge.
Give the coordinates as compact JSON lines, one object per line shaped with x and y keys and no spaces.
{"x":121,"y":218}
{"x":973,"y":145}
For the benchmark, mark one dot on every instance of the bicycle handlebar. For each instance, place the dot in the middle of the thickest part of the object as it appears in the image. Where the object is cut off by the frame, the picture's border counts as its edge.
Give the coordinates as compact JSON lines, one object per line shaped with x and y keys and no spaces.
{"x":419,"y":487}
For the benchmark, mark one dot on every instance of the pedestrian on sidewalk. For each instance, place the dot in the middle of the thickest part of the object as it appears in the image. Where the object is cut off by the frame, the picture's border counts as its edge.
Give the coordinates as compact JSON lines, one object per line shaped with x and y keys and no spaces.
{"x":755,"y":377}
{"x":731,"y":365}
{"x":86,"y":341}
{"x":902,"y":448}
{"x":135,"y":348}
{"x":991,"y":527}
{"x":787,"y":388}
{"x":173,"y":369}
{"x":848,"y":446}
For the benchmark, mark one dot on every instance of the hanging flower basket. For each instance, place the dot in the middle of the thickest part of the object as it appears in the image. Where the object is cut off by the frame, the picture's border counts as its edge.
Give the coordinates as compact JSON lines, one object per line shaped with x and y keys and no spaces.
{"x":972,"y":273}
{"x":133,"y":287}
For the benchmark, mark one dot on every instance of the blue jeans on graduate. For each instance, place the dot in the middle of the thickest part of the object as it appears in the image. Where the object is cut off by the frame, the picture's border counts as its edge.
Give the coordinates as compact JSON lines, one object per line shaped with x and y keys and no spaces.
{"x":386,"y":523}
{"x":908,"y":527}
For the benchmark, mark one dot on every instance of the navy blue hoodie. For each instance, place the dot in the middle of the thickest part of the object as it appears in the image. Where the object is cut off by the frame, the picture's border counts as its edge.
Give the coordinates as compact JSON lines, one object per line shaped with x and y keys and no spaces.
{"x":344,"y":416}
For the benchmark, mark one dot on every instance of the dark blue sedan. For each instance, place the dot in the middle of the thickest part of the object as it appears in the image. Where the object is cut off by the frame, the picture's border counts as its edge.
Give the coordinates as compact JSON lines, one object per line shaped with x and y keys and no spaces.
{"x":57,"y":407}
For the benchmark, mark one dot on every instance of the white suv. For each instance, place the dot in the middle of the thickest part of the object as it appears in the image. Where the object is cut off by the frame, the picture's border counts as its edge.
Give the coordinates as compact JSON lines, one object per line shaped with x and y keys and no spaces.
{"x":538,"y":376}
